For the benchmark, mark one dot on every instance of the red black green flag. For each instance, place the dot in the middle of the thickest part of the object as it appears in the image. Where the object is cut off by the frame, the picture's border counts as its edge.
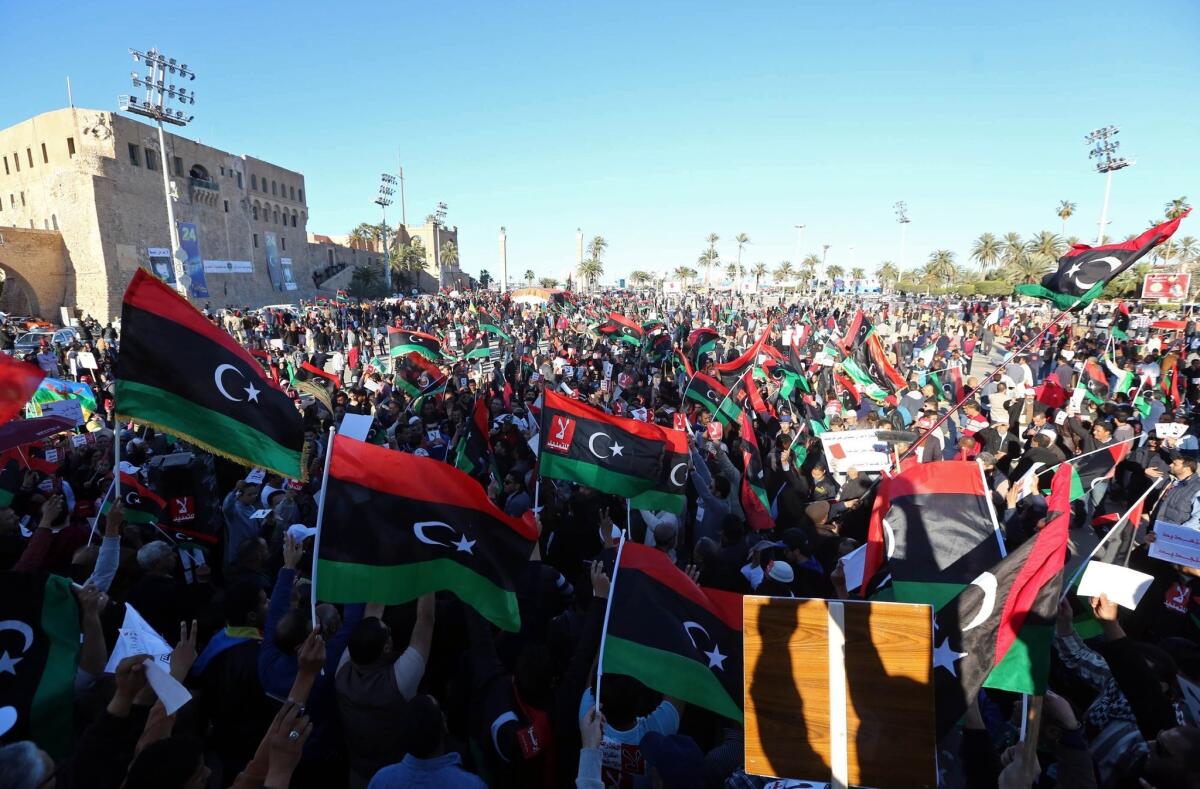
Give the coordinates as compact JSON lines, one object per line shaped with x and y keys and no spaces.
{"x":40,"y":650}
{"x":306,"y":371}
{"x":713,"y":395}
{"x":729,"y":372}
{"x":397,"y":526}
{"x":582,"y":444}
{"x":181,"y":374}
{"x":700,"y":342}
{"x":1084,"y":270}
{"x":474,"y":452}
{"x":753,"y":494}
{"x":622,"y":328}
{"x":671,"y":635}
{"x":1169,"y":378}
{"x":670,"y":490}
{"x":979,"y":632}
{"x":406,"y":341}
{"x":1100,"y":464}
{"x":18,"y":381}
{"x":490,"y":323}
{"x":142,"y":505}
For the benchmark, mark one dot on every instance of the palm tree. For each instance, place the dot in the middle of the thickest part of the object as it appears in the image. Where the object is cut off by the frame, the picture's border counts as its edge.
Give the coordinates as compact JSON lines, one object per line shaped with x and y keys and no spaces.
{"x":784,"y":272}
{"x":1188,"y":248}
{"x":708,"y":258}
{"x":742,"y":240}
{"x":592,"y":268}
{"x":548,"y":282}
{"x":712,"y":240}
{"x":834,"y":272}
{"x":804,"y":280}
{"x":741,"y":272}
{"x":684,"y":274}
{"x":810,"y":264}
{"x":1065,"y":210}
{"x":941,"y":266}
{"x":887,"y":272}
{"x":449,"y":254}
{"x":1071,"y":241}
{"x":857,"y":273}
{"x":731,"y":271}
{"x":529,"y":276}
{"x":1014,"y":248}
{"x":1048,"y":245}
{"x":360,"y":236}
{"x":759,"y":270}
{"x":1173,"y":210}
{"x":1027,"y":268}
{"x":986,"y":252}
{"x":639,"y":278}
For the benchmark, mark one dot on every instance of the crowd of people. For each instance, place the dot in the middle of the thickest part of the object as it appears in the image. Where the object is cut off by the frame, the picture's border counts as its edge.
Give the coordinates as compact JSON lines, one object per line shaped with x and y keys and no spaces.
{"x":431,"y":694}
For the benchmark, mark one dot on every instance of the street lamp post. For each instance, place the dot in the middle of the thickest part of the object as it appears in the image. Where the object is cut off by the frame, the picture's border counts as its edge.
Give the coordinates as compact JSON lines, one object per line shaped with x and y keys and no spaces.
{"x":799,"y":239}
{"x":503,"y":260}
{"x":159,"y":92}
{"x":901,"y":208}
{"x":387,"y":188}
{"x":1107,"y":163}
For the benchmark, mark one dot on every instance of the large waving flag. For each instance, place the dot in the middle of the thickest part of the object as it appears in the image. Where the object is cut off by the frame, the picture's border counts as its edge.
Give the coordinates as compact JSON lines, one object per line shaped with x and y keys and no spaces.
{"x":55,"y":389}
{"x":18,"y":381}
{"x":622,"y":328}
{"x":998,"y":630}
{"x":1083,"y":272}
{"x":142,"y":505}
{"x":753,"y":494}
{"x":670,"y":489}
{"x":397,"y":526}
{"x":714,"y":396}
{"x":729,"y":372}
{"x":181,"y":374}
{"x":582,"y":444}
{"x":474,"y":451}
{"x":672,"y":635}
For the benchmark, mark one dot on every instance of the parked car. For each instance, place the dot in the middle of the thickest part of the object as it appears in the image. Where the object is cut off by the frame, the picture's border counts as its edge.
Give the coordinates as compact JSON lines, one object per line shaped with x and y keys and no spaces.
{"x":31,"y":341}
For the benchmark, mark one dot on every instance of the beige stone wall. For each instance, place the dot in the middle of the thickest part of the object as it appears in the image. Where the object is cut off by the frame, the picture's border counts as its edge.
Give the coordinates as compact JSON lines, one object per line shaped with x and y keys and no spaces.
{"x":432,"y":238}
{"x":107,"y":202}
{"x":37,"y":272}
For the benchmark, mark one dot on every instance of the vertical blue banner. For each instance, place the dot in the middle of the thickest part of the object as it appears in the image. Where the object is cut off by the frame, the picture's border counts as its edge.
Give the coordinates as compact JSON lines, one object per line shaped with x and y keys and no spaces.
{"x":189,"y":242}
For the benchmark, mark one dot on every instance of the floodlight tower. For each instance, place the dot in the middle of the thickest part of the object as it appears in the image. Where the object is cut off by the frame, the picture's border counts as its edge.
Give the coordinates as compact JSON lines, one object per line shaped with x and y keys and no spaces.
{"x":1107,"y":162}
{"x":901,"y":209}
{"x":387,"y":188}
{"x":159,"y":93}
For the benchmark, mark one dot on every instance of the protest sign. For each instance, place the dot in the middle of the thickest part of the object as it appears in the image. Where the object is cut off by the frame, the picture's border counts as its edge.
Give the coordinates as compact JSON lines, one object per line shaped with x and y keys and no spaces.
{"x":1123,"y":586}
{"x":86,"y":359}
{"x":839,"y":690}
{"x":860,"y":449}
{"x":68,"y":409}
{"x":1169,"y":429}
{"x":356,"y":426}
{"x":1176,"y":544}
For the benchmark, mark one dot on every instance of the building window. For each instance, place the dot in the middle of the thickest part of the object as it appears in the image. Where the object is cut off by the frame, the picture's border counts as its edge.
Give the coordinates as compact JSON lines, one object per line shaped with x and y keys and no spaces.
{"x":292,"y":190}
{"x":254,"y":210}
{"x":45,"y":155}
{"x":293,"y":219}
{"x":222,"y":169}
{"x":12,"y":200}
{"x":45,"y":224}
{"x":227,"y":206}
{"x":17,"y":160}
{"x":29,"y":155}
{"x":283,"y":243}
{"x":54,"y":221}
{"x":135,"y":155}
{"x":178,"y":165}
{"x":22,"y":199}
{"x":256,"y":240}
{"x":273,"y":188}
{"x":239,"y":177}
{"x":331,"y":257}
{"x":6,"y":170}
{"x":71,"y":147}
{"x":150,"y":164}
{"x":301,"y":195}
{"x":276,"y":216}
{"x":253,"y":181}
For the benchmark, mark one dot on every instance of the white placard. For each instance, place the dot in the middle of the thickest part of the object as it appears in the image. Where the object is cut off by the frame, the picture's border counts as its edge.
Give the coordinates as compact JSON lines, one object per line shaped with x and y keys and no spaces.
{"x":854,"y":564}
{"x":608,"y":369}
{"x":86,"y":359}
{"x":356,"y":426}
{"x":276,"y":343}
{"x":136,"y":637}
{"x":256,"y":476}
{"x":1176,"y":544}
{"x":1169,"y":429}
{"x":1123,"y":586}
{"x":71,"y":409}
{"x":860,"y":449}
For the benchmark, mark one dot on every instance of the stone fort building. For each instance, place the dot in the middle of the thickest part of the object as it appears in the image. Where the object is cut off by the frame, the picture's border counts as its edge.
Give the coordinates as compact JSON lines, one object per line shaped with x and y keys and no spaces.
{"x":82,"y":208}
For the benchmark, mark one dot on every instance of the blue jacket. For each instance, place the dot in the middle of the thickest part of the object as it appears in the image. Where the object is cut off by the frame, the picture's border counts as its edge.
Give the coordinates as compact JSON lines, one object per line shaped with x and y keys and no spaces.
{"x":443,"y":772}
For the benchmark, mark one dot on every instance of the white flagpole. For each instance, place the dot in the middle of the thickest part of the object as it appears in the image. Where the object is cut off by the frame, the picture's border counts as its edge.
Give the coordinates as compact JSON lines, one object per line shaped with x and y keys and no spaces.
{"x":612,"y":587}
{"x":320,"y":520}
{"x":1115,"y":528}
{"x":117,"y":459}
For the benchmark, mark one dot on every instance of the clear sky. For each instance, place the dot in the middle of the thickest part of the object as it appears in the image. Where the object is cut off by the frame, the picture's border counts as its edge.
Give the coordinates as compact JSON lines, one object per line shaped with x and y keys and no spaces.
{"x":654,"y":124}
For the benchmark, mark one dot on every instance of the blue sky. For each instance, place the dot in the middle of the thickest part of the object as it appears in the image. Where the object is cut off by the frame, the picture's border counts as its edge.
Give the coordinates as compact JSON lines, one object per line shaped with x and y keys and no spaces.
{"x":654,"y":124}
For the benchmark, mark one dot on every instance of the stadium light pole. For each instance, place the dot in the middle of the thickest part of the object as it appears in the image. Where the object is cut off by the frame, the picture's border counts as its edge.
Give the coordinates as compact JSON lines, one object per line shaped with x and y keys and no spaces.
{"x":159,"y":92}
{"x":1107,"y":162}
{"x":387,"y":188}
{"x":901,"y":209}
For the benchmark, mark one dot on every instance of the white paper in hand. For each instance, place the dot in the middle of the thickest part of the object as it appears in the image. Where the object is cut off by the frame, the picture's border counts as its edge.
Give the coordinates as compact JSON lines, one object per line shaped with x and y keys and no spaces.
{"x":136,"y":637}
{"x":1123,"y":586}
{"x":854,"y":564}
{"x":167,"y":688}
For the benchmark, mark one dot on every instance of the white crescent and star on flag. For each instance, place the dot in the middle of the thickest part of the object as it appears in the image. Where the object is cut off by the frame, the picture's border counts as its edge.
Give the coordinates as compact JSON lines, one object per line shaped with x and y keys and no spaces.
{"x":614,"y":449}
{"x":462,"y":545}
{"x":716,"y":659}
{"x":946,"y":656}
{"x":219,"y":380}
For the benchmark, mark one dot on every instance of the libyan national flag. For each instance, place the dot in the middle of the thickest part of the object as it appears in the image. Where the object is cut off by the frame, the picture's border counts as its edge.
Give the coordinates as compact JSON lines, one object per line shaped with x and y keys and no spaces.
{"x":39,"y":649}
{"x":622,"y":328}
{"x":672,"y":635}
{"x":397,"y":526}
{"x":582,"y":444}
{"x":473,"y":454}
{"x":142,"y":505}
{"x":405,"y":341}
{"x":985,"y":635}
{"x":179,"y":373}
{"x":714,"y":396}
{"x":18,"y":381}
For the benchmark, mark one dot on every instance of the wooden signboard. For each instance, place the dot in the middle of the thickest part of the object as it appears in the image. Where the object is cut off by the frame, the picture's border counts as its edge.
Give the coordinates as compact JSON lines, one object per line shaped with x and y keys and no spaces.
{"x":839,"y":691}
